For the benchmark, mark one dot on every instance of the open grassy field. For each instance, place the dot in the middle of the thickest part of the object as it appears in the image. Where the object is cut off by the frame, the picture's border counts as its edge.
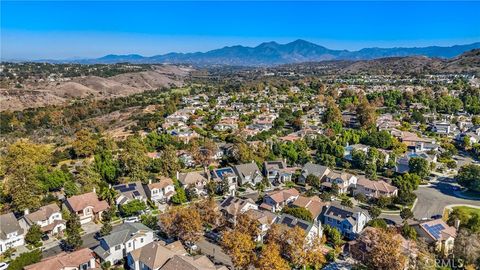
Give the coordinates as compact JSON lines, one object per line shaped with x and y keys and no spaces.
{"x":468,"y":209}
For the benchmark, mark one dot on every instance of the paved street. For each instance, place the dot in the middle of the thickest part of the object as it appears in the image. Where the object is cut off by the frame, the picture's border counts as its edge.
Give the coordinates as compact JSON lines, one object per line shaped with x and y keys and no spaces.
{"x":213,"y":251}
{"x":88,"y":241}
{"x":434,"y":198}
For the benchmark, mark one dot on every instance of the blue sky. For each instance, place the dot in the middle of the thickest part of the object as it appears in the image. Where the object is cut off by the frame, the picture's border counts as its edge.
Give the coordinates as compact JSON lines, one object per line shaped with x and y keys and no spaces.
{"x":58,"y":30}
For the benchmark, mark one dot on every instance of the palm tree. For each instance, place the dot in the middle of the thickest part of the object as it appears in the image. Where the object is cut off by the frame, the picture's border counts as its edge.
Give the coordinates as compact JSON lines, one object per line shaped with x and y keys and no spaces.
{"x":108,"y":194}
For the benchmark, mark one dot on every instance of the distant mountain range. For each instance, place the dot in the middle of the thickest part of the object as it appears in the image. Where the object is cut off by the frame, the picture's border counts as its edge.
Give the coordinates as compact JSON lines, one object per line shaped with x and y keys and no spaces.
{"x":273,"y":53}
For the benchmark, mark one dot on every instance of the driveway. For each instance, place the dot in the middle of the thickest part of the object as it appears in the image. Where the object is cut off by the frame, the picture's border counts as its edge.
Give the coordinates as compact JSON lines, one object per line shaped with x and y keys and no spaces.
{"x":434,"y":198}
{"x":214,"y":251}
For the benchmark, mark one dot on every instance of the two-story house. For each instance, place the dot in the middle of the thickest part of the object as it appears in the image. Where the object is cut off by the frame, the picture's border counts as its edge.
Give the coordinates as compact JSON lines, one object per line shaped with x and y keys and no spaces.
{"x":160,"y":191}
{"x":11,"y":233}
{"x":232,"y":207}
{"x":374,"y":189}
{"x":276,"y":200}
{"x":312,"y":229}
{"x":314,"y":205}
{"x":343,"y":181}
{"x":128,"y":192}
{"x":154,"y":255}
{"x":248,"y":173}
{"x":226,"y":175}
{"x":195,"y":180}
{"x":312,"y":169}
{"x":122,"y":240}
{"x":48,"y":217}
{"x":349,"y":221}
{"x":87,"y":206}
{"x":265,"y":220}
{"x":82,"y":259}
{"x":438,"y":234}
{"x":277,"y":171}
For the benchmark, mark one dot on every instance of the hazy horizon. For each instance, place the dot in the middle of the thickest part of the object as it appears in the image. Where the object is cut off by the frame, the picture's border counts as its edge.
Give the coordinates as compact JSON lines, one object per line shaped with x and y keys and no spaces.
{"x":67,"y":30}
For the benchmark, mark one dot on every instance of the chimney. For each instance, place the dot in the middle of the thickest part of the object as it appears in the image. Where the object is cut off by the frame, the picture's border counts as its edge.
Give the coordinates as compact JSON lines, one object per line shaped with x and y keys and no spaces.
{"x":149,"y":181}
{"x":109,"y":185}
{"x":457,"y":223}
{"x":26,"y":211}
{"x":94,"y":190}
{"x":178,"y":175}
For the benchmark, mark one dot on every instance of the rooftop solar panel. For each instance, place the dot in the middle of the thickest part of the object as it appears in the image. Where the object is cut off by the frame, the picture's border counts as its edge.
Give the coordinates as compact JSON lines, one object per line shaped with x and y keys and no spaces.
{"x":136,"y":193}
{"x":435,"y":230}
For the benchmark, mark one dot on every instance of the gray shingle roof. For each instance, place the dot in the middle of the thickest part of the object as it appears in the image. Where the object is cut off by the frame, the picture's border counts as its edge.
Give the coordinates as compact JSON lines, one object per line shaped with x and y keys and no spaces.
{"x":9,"y":224}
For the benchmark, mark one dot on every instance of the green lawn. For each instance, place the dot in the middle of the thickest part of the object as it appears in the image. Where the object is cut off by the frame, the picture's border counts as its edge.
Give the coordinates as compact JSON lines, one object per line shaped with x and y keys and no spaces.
{"x":468,"y":209}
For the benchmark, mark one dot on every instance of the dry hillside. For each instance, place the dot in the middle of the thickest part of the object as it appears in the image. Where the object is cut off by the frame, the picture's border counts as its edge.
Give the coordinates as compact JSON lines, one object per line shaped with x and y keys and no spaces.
{"x":55,"y":93}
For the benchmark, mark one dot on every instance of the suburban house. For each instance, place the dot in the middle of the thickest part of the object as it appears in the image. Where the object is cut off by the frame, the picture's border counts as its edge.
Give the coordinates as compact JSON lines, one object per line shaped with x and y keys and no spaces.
{"x":82,"y":259}
{"x":87,"y":206}
{"x":374,"y":189}
{"x":313,"y":169}
{"x":438,"y":234}
{"x":160,"y":191}
{"x":361,"y":247}
{"x":343,"y":181}
{"x":275,"y":201}
{"x":130,"y":191}
{"x":248,"y":173}
{"x":154,"y":255}
{"x":349,"y":149}
{"x":232,"y":207}
{"x":265,"y":219}
{"x":195,"y":180}
{"x":48,"y":217}
{"x":226,"y":175}
{"x":11,"y":233}
{"x":410,"y":138}
{"x":349,"y":221}
{"x":443,"y":128}
{"x":200,"y":262}
{"x":277,"y":171}
{"x":312,"y":229}
{"x":313,"y":204}
{"x":122,"y":240}
{"x":402,"y":164}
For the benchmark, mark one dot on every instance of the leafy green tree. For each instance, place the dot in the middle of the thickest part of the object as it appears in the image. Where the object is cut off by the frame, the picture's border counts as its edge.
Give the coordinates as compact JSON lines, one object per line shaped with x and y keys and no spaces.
{"x":133,"y":207}
{"x":469,"y":177}
{"x":34,"y":235}
{"x":108,"y":194}
{"x":70,"y":188}
{"x":85,"y":143}
{"x":408,"y":231}
{"x":332,"y":113}
{"x":88,"y":178}
{"x":106,"y":166}
{"x":150,"y":221}
{"x":134,"y":160}
{"x":73,"y":231}
{"x":347,"y":202}
{"x":180,"y":195}
{"x":419,"y":166}
{"x":168,"y":163}
{"x":299,"y":212}
{"x":359,"y":159}
{"x":378,"y":223}
{"x":314,"y":181}
{"x":107,"y":222}
{"x":20,"y":165}
{"x":25,"y":259}
{"x":53,"y":180}
{"x":334,"y":236}
{"x":406,"y":213}
{"x":374,"y":212}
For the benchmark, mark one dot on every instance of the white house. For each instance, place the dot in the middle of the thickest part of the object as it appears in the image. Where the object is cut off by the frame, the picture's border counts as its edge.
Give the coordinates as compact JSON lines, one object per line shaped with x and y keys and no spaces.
{"x":122,"y":240}
{"x":48,"y":217}
{"x":161,"y":191}
{"x":349,"y":221}
{"x":11,"y":234}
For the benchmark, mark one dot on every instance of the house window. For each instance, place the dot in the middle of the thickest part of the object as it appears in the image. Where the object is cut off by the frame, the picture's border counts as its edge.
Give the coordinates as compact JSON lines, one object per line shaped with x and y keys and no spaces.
{"x":129,"y":244}
{"x":141,"y":240}
{"x":118,"y":247}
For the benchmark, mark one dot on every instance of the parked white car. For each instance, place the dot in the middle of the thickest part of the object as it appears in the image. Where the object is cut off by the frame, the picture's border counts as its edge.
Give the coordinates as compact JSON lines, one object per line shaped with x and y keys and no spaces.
{"x":131,"y":220}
